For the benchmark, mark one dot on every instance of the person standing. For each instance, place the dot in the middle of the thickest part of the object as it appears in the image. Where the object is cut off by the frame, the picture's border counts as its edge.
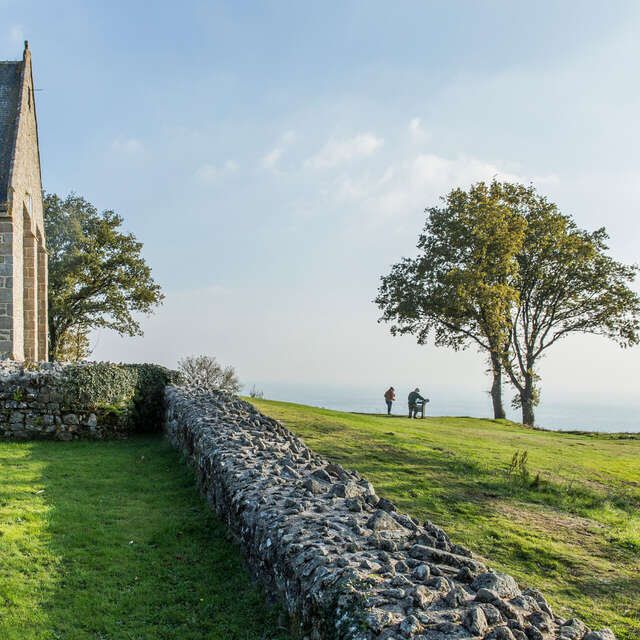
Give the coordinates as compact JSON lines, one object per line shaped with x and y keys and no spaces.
{"x":414,"y":397}
{"x":389,"y":397}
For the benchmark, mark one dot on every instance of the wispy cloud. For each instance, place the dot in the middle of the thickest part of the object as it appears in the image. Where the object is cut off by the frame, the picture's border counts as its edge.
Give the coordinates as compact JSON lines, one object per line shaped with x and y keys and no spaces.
{"x":289,"y":136}
{"x":336,"y":152}
{"x":416,"y":131}
{"x":419,"y":182}
{"x":126,"y":145}
{"x":270,"y":160}
{"x":208,"y":173}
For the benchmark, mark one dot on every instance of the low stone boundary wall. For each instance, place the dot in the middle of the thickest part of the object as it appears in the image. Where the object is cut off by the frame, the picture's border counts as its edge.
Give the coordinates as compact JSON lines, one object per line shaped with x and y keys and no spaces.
{"x":345,"y":563}
{"x":88,"y":400}
{"x":33,"y":406}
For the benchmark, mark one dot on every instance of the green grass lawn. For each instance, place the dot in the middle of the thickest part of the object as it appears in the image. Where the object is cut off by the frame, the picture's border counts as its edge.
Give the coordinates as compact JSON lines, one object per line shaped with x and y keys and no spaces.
{"x":111,"y":540}
{"x":570,"y":528}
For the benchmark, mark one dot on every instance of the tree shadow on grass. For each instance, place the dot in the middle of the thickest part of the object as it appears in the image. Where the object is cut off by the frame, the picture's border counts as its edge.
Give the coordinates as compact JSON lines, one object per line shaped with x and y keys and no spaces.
{"x":139,"y":553}
{"x":597,"y":598}
{"x":22,"y":514}
{"x":461,"y":474}
{"x":623,"y":587}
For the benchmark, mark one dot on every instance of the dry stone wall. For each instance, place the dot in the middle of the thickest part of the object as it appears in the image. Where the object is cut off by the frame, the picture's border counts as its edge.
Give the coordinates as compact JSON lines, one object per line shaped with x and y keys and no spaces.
{"x":35,"y":405}
{"x":345,"y":563}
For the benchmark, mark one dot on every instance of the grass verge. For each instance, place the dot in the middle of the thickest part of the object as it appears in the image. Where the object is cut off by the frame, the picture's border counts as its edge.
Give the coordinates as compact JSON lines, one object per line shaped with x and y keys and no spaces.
{"x":110,"y":541}
{"x":567,"y":521}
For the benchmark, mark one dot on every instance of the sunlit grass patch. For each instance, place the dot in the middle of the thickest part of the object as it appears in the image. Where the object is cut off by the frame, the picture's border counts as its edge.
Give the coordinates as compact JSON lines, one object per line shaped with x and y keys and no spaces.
{"x":112,"y":540}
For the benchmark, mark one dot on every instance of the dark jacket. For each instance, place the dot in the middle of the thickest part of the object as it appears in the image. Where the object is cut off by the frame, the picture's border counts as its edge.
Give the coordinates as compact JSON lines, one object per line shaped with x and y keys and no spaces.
{"x":414,"y":396}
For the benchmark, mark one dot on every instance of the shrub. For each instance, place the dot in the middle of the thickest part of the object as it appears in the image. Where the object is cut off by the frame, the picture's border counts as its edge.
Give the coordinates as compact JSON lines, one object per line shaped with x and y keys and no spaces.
{"x":204,"y":371}
{"x":133,"y":392}
{"x":99,"y":384}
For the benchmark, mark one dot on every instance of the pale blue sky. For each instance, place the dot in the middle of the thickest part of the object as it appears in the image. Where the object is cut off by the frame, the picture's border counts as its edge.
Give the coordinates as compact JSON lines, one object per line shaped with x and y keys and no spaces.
{"x":276,"y":157}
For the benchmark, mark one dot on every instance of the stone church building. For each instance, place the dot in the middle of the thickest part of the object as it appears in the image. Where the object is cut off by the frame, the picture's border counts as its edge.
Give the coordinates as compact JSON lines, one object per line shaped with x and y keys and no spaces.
{"x":23,"y":256}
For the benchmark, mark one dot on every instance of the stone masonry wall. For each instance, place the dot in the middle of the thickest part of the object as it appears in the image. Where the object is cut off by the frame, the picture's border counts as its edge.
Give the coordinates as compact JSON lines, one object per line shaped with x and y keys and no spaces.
{"x":23,"y":256}
{"x":345,"y":563}
{"x":33,"y":407}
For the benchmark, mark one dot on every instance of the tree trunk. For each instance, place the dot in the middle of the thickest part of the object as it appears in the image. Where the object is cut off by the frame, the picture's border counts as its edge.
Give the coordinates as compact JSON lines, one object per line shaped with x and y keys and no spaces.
{"x":496,"y":387}
{"x":527,"y":399}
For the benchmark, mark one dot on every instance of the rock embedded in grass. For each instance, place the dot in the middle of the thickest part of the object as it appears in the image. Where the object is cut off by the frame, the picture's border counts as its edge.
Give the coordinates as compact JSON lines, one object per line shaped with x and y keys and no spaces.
{"x":345,"y":563}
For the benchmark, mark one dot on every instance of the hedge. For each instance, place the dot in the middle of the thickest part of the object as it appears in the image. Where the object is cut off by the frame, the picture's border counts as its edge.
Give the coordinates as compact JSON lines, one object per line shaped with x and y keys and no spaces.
{"x":133,"y":392}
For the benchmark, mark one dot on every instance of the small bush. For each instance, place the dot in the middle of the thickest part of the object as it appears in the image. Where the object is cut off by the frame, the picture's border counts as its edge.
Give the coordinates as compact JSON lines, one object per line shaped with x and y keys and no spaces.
{"x":204,"y":371}
{"x":256,"y":393}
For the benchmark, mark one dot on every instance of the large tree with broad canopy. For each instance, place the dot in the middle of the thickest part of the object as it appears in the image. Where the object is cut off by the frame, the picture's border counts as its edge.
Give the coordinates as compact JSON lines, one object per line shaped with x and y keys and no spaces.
{"x":97,"y":275}
{"x":499,"y":267}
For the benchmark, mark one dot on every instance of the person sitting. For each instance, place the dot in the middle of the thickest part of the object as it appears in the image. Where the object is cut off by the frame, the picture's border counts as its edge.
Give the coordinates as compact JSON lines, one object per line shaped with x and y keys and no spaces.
{"x":414,"y":398}
{"x":389,"y":397}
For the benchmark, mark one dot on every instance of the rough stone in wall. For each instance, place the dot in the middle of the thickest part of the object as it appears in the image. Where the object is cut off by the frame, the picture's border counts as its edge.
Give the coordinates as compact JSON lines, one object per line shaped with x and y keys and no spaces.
{"x":345,"y":563}
{"x":33,"y":406}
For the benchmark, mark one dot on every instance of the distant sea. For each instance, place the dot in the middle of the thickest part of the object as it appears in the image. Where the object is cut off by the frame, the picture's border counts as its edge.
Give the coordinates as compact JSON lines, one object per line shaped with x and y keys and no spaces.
{"x":562,"y":416}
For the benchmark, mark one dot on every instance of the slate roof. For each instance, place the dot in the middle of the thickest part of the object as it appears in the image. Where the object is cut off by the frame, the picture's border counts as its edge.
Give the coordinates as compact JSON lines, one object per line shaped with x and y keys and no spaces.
{"x":9,"y":96}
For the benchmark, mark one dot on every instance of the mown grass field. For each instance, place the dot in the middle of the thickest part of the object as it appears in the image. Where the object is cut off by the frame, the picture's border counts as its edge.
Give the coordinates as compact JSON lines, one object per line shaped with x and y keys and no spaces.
{"x":111,"y":541}
{"x":571,"y":527}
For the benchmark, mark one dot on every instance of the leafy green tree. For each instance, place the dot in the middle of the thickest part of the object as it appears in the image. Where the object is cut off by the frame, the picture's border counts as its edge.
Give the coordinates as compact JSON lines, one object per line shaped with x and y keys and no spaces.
{"x":75,"y":345}
{"x":500,"y":267}
{"x":566,"y":284}
{"x":97,"y":275}
{"x":458,"y":288}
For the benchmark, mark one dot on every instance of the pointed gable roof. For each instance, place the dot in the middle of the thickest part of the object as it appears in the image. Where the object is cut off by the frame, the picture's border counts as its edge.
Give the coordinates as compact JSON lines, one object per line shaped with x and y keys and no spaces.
{"x":10,"y":85}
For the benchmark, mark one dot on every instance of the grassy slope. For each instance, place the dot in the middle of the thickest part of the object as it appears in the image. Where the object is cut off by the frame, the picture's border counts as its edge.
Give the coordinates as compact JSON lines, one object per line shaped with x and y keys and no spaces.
{"x":575,"y":534}
{"x":112,"y":541}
